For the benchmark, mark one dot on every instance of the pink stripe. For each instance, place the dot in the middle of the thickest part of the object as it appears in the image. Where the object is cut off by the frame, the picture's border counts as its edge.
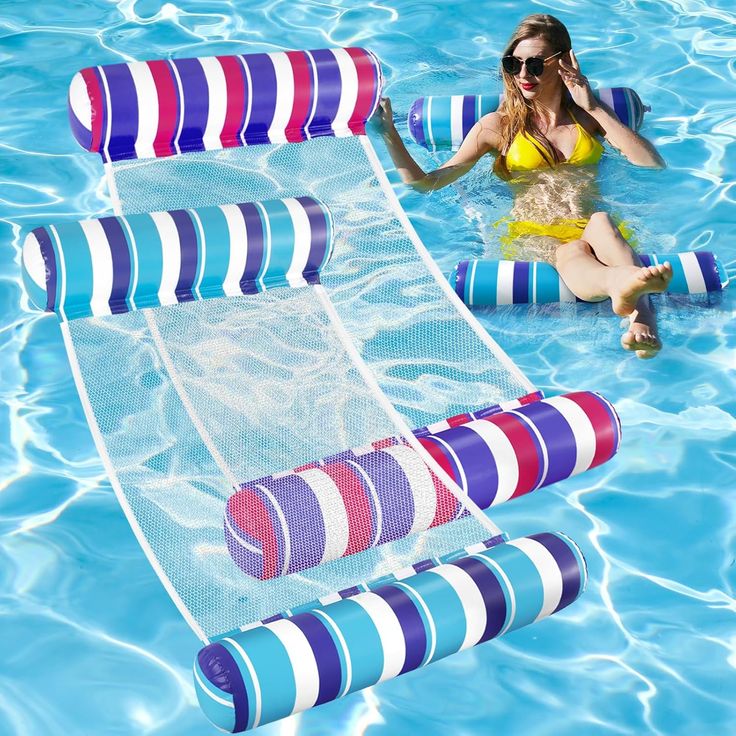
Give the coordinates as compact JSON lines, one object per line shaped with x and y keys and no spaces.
{"x":168,"y":107}
{"x":235,"y":99}
{"x":357,"y":505}
{"x":525,"y":448}
{"x":366,"y":90}
{"x":458,"y":420}
{"x":448,"y":504}
{"x":251,"y":516}
{"x":302,"y":96}
{"x":97,"y":102}
{"x":606,"y":435}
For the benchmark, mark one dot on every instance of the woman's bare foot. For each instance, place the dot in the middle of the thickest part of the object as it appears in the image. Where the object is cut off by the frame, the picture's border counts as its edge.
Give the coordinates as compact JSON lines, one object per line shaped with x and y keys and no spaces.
{"x":633,"y":282}
{"x":642,"y":339}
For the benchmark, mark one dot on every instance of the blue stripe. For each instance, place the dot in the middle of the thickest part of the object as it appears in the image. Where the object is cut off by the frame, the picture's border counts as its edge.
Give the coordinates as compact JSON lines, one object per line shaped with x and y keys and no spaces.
{"x":196,"y":104}
{"x":121,"y":264}
{"x":189,"y":247}
{"x":521,"y":282}
{"x":79,"y":276}
{"x":150,"y":260}
{"x":709,"y":269}
{"x":460,"y":281}
{"x":321,"y":237}
{"x":282,"y":243}
{"x":412,"y":626}
{"x":572,"y":575}
{"x":217,"y":663}
{"x":619,"y":105}
{"x":329,"y":92}
{"x":217,"y":251}
{"x":416,"y":122}
{"x":255,"y":235}
{"x":51,"y":260}
{"x":492,"y":592}
{"x":678,"y":285}
{"x":263,"y":97}
{"x":124,"y":109}
{"x":326,"y":655}
{"x":548,"y":284}
{"x":484,"y":289}
{"x":469,"y":118}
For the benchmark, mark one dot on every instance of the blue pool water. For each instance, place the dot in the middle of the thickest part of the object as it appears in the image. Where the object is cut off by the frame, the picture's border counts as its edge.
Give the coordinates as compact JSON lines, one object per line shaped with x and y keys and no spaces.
{"x":91,"y":642}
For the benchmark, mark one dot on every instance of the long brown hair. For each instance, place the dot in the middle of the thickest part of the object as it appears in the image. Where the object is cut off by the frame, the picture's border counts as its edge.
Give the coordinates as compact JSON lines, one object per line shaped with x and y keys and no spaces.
{"x":518,"y":113}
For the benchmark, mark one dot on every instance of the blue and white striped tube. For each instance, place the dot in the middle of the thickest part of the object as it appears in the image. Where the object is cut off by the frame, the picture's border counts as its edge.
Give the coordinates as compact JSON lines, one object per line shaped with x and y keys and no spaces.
{"x":118,"y":264}
{"x":276,"y":669}
{"x":442,"y":122}
{"x":486,"y":283}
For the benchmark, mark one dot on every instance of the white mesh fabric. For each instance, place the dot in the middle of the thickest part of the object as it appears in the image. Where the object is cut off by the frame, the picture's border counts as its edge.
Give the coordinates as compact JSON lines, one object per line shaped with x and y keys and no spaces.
{"x":193,"y":398}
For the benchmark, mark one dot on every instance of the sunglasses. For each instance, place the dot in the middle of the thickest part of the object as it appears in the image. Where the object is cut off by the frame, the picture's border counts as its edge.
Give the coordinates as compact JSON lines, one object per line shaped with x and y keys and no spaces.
{"x":534,"y":64}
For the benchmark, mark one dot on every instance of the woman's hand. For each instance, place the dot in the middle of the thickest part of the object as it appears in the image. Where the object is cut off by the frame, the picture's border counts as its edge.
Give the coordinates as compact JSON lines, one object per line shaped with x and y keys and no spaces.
{"x":577,"y":84}
{"x":385,"y":115}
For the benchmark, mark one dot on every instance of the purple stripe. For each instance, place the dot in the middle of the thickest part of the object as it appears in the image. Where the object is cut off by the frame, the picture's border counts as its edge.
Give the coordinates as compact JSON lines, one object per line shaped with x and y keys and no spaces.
{"x":189,"y":248}
{"x":645,"y":259}
{"x":121,"y":264}
{"x":318,"y":239}
{"x":262,"y":97}
{"x":557,"y":436}
{"x":349,"y":592}
{"x":50,"y":261}
{"x":394,"y":493}
{"x":461,"y":275}
{"x":329,"y":90}
{"x":709,"y":269}
{"x":124,"y":112}
{"x":254,"y":250}
{"x":572,"y":575}
{"x":303,"y":514}
{"x":619,"y":105}
{"x":416,"y":127}
{"x":221,"y":669}
{"x":468,"y":113}
{"x":491,"y":591}
{"x":195,"y":105}
{"x":325,"y":654}
{"x":412,"y":625}
{"x":477,"y":462}
{"x":521,"y":282}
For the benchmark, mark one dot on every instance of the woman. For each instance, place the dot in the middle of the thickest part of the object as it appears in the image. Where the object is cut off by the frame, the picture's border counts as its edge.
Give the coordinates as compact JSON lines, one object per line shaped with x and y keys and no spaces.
{"x":538,"y":128}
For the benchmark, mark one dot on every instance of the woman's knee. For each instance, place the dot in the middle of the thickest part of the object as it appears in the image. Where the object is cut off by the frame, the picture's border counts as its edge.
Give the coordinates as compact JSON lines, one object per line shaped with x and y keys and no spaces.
{"x":574,"y":249}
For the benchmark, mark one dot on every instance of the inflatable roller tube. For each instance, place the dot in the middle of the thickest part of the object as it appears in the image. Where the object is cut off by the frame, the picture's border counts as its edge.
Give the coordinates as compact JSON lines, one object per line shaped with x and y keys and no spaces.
{"x":118,"y":264}
{"x":487,"y":283}
{"x":441,"y":123}
{"x":148,"y":109}
{"x":369,"y":496}
{"x":276,"y":669}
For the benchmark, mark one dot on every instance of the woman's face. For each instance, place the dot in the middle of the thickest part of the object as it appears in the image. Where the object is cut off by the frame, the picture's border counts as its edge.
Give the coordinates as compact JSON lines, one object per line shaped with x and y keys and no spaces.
{"x":530,"y":85}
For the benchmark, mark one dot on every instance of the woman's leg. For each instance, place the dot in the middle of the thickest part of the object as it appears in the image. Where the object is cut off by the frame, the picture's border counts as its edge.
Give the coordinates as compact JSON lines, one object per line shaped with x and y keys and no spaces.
{"x":602,"y":264}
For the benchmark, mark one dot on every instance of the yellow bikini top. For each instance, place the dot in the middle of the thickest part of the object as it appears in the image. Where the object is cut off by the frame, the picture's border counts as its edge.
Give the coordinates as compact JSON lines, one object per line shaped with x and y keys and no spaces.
{"x":525,"y":153}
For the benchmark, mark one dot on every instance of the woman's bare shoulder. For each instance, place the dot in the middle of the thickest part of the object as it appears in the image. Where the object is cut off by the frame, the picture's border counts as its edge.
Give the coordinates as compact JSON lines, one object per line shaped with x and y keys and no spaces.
{"x":490,"y":128}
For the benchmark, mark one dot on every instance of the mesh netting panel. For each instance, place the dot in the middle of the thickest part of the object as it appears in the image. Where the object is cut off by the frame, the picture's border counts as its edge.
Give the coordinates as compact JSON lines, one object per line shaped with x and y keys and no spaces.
{"x":427,"y":358}
{"x":195,"y":398}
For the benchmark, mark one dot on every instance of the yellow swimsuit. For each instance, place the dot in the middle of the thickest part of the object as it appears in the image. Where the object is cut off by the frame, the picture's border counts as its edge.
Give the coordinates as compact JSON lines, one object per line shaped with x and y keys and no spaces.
{"x":526,"y":154}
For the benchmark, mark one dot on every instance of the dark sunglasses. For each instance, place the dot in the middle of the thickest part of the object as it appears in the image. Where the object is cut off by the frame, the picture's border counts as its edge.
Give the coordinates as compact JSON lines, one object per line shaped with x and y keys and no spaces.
{"x":534,"y":64}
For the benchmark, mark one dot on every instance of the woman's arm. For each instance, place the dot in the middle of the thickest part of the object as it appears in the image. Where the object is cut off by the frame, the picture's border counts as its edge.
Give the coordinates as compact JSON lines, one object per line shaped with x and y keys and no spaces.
{"x":637,"y":149}
{"x":482,"y":139}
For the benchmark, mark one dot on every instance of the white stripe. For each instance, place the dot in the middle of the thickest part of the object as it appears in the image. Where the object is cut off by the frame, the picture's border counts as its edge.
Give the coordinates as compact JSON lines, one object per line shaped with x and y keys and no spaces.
{"x":171,"y":256}
{"x":282,"y":522}
{"x":565,"y":294}
{"x":430,"y":132}
{"x":421,"y":484}
{"x":207,"y":689}
{"x":548,"y":570}
{"x":582,"y":429}
{"x":249,"y":98}
{"x":238,"y":236}
{"x":334,"y":514}
{"x":108,"y":116}
{"x":202,"y":256}
{"x":471,"y":599}
{"x":302,"y":242}
{"x":80,"y":101}
{"x":507,"y":464}
{"x":505,"y":283}
{"x":237,"y":538}
{"x":119,"y":493}
{"x":463,"y":484}
{"x":471,"y":288}
{"x":534,"y":282}
{"x":254,"y":679}
{"x":348,"y":673}
{"x":389,"y":631}
{"x":145,"y":90}
{"x":315,"y":94}
{"x":284,"y":97}
{"x":303,"y":663}
{"x":456,"y":121}
{"x":693,"y":273}
{"x":266,"y":244}
{"x":133,"y":249}
{"x":376,"y":502}
{"x":348,"y":92}
{"x":217,"y":101}
{"x":99,"y":251}
{"x":33,"y":261}
{"x":182,"y":103}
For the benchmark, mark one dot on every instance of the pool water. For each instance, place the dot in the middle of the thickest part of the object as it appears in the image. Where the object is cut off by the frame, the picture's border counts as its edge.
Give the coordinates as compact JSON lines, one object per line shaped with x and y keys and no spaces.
{"x":91,"y":642}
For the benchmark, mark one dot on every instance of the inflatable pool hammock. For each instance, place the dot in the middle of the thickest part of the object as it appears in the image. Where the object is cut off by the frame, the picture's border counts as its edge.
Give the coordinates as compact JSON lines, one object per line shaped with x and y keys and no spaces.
{"x":300,"y":419}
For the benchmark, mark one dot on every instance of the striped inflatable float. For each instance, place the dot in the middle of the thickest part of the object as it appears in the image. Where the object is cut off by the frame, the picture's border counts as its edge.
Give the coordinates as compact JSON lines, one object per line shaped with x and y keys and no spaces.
{"x":112,"y":265}
{"x":161,"y":108}
{"x":368,"y":496}
{"x":441,"y":123}
{"x":483,"y":283}
{"x":290,"y":664}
